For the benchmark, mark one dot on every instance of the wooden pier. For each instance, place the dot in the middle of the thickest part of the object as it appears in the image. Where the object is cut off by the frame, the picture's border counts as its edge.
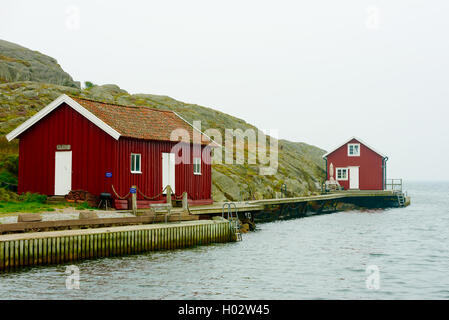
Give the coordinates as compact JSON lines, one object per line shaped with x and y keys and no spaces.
{"x":105,"y":237}
{"x":375,"y":198}
{"x":55,"y":247}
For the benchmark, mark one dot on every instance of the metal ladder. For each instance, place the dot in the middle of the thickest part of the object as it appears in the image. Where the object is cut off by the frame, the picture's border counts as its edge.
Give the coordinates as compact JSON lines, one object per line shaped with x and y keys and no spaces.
{"x":232,"y":217}
{"x":401,"y":198}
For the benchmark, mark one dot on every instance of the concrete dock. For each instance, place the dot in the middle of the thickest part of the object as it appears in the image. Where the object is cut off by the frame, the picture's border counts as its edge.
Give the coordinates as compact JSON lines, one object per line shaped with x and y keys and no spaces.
{"x":55,"y":247}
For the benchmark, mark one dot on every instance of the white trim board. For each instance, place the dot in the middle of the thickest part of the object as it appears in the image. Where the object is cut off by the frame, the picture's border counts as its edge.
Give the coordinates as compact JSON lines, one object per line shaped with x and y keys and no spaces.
{"x":55,"y":104}
{"x":359,"y":140}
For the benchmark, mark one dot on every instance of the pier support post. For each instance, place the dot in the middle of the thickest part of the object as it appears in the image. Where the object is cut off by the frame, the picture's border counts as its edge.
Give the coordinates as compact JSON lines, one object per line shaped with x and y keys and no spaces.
{"x":134,"y":201}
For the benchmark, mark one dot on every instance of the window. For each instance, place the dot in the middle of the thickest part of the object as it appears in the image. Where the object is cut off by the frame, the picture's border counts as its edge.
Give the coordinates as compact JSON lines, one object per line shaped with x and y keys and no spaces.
{"x":354,"y":149}
{"x":196,"y":165}
{"x":342,"y":173}
{"x":135,"y":163}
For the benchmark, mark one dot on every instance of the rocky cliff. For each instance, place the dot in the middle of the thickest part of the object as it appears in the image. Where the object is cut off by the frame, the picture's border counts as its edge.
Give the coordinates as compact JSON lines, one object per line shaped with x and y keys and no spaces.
{"x":21,"y":64}
{"x":301,"y":167}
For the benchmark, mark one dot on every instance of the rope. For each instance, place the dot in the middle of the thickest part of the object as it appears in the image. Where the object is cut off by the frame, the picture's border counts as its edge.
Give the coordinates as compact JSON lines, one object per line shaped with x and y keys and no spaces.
{"x":117,"y":195}
{"x":179,"y":197}
{"x":157,"y":196}
{"x":151,"y":198}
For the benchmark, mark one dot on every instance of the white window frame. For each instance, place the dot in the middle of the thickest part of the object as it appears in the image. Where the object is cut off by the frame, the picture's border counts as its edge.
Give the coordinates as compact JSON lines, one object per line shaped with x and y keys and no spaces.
{"x":131,"y":163}
{"x":197,"y":165}
{"x":343,"y":169}
{"x":352,"y":145}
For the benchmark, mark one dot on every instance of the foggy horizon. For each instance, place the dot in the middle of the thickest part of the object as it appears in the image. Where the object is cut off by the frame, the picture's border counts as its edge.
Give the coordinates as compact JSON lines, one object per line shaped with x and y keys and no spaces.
{"x":318,"y":72}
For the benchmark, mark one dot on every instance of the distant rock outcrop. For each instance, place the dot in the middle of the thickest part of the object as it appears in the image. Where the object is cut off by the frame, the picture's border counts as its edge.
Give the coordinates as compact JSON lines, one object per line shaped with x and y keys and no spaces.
{"x":301,"y":167}
{"x":21,"y":64}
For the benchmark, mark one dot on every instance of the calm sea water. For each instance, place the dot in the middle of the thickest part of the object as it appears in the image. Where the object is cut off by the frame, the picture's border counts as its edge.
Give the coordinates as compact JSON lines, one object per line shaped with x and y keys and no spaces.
{"x":321,"y":257}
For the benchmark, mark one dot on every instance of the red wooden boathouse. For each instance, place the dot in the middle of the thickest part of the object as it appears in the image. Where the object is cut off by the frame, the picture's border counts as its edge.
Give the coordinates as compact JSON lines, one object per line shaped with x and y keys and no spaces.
{"x":80,"y":144}
{"x":356,"y":165}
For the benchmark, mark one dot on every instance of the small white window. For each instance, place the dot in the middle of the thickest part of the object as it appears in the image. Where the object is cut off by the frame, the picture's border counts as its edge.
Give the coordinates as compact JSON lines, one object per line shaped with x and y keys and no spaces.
{"x":196,"y":165}
{"x":354,"y":149}
{"x":135,"y":163}
{"x":342,"y":173}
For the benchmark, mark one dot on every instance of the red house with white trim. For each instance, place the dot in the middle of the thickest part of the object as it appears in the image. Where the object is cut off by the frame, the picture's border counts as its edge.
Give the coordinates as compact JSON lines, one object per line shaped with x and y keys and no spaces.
{"x":80,"y":144}
{"x":356,"y":165}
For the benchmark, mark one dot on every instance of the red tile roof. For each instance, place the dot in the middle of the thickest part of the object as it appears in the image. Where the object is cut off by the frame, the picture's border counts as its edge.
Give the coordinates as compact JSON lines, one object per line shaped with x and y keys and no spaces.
{"x":138,"y":121}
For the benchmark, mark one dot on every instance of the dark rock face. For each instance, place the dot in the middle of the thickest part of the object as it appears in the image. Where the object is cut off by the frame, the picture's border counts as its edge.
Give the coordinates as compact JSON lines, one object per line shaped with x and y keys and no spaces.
{"x":21,"y":64}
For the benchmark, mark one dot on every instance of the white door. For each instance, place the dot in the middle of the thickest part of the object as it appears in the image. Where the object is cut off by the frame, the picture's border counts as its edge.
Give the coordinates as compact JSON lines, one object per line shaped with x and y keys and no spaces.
{"x":168,"y":170}
{"x":353,"y":177}
{"x":63,"y":172}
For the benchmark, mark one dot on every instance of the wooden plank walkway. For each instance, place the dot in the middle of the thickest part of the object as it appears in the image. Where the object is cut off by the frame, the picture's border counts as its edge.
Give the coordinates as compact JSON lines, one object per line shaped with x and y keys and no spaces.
{"x":91,"y":223}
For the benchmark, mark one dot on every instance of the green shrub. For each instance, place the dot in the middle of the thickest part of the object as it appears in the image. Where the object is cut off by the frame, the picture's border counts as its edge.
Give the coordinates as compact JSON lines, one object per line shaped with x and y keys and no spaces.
{"x":83,"y":206}
{"x":6,"y":195}
{"x":10,"y":164}
{"x":33,"y":197}
{"x":8,"y":177}
{"x":89,"y":84}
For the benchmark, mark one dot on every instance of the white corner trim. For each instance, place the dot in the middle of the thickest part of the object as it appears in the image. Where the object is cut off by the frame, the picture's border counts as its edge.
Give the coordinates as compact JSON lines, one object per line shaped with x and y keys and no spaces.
{"x":361,"y":142}
{"x":52,"y":106}
{"x":214,"y":143}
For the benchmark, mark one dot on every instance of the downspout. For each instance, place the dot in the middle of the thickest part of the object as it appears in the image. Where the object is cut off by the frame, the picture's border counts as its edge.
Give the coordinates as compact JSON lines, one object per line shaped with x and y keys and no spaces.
{"x":384,"y":167}
{"x":323,"y":186}
{"x":325,"y":159}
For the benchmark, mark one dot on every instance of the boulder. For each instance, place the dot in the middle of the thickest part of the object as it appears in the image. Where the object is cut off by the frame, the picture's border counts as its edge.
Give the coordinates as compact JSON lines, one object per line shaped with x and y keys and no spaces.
{"x":88,"y":215}
{"x":29,"y":217}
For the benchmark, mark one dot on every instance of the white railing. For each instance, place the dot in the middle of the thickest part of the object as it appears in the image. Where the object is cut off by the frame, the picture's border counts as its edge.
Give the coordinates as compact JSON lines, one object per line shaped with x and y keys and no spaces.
{"x":393,"y":184}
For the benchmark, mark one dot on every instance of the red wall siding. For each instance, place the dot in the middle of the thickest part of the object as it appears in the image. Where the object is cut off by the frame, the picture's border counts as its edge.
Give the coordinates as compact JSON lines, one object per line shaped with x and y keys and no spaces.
{"x":369,"y":162}
{"x":150,"y":180}
{"x":93,"y":153}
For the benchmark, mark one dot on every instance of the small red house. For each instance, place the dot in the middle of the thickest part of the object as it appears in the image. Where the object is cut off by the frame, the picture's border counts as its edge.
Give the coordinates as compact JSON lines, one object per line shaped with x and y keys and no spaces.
{"x":80,"y":144}
{"x":356,"y":165}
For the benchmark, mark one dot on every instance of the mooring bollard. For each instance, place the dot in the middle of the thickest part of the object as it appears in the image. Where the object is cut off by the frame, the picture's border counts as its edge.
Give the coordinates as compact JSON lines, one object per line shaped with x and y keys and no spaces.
{"x":184,"y":202}
{"x":169,"y":191}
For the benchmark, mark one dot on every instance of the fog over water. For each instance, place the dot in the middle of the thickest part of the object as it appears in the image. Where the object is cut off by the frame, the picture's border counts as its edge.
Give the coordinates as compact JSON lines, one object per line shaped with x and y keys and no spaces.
{"x":319,"y":71}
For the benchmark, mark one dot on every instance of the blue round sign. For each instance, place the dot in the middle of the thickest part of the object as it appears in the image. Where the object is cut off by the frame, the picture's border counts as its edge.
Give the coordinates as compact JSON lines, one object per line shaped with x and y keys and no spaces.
{"x":108,"y":174}
{"x":132,"y":190}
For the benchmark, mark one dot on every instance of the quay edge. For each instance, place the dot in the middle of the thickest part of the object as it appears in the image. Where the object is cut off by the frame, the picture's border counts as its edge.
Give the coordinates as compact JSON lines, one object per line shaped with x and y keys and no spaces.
{"x":57,"y":247}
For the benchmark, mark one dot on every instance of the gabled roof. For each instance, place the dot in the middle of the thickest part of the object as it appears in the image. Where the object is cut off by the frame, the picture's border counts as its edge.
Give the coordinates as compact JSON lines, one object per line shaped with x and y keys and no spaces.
{"x":359,"y":140}
{"x":117,"y":120}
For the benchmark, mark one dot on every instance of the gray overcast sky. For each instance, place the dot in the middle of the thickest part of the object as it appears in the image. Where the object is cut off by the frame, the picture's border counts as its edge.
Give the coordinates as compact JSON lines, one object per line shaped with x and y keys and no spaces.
{"x":320,"y":71}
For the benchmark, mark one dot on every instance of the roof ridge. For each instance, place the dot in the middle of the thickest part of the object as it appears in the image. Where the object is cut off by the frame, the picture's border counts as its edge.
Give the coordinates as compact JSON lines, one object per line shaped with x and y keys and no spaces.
{"x":121,"y":105}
